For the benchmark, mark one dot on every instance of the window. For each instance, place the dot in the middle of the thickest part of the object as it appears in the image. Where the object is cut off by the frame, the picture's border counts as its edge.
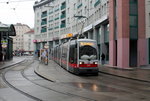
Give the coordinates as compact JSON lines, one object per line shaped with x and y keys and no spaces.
{"x":73,"y":53}
{"x":91,"y":3}
{"x":68,"y":10}
{"x":133,"y":21}
{"x":133,"y":13}
{"x":68,"y":20}
{"x":105,"y":9}
{"x":149,"y":19}
{"x":85,"y":10}
{"x":74,"y":6}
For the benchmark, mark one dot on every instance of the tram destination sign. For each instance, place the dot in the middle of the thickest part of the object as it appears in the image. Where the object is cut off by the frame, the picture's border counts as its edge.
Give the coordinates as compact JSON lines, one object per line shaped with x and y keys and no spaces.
{"x":86,"y":43}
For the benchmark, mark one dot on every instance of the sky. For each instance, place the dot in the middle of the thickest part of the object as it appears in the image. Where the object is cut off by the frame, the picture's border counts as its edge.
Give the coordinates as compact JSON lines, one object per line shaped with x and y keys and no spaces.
{"x":17,"y":11}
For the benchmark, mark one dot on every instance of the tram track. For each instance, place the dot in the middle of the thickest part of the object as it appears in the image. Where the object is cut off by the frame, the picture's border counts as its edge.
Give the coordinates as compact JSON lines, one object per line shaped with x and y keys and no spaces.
{"x":64,"y":93}
{"x":11,"y":65}
{"x":43,"y":90}
{"x":15,"y":88}
{"x":22,"y":72}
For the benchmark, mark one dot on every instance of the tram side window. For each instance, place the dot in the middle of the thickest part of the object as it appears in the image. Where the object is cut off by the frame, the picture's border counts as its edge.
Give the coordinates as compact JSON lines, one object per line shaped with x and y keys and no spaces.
{"x":64,"y":53}
{"x":59,"y":50}
{"x":73,"y":54}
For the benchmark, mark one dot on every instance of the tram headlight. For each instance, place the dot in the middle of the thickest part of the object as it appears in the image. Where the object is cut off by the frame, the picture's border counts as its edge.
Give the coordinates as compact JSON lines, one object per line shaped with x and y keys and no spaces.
{"x":81,"y":63}
{"x":95,"y":62}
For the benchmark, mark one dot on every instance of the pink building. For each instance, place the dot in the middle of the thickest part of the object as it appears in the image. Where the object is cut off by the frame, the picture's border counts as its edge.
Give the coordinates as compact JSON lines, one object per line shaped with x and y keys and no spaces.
{"x":127,"y":38}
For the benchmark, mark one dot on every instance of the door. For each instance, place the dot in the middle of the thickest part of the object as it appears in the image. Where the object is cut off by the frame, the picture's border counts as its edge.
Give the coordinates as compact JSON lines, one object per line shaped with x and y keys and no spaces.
{"x":133,"y":53}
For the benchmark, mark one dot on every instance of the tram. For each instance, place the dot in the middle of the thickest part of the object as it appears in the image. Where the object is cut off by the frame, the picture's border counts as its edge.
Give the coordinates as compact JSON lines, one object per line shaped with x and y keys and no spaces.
{"x":77,"y":56}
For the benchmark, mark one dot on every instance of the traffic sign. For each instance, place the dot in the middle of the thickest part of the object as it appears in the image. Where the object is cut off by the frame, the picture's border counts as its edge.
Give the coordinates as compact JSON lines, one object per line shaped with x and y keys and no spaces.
{"x":4,"y":42}
{"x":4,"y":45}
{"x":46,"y":46}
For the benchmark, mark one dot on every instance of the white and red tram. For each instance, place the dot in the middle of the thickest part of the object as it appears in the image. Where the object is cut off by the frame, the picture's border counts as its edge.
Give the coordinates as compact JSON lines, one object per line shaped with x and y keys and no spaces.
{"x":77,"y":56}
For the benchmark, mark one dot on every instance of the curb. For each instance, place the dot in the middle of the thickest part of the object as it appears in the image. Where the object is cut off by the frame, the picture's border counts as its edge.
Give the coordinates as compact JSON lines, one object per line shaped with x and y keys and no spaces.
{"x":11,"y":65}
{"x":141,"y":80}
{"x":37,"y":71}
{"x":115,"y":67}
{"x":43,"y":76}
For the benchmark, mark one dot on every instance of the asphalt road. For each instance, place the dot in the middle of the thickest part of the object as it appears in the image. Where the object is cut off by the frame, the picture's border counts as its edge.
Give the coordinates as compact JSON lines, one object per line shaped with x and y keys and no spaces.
{"x":20,"y":83}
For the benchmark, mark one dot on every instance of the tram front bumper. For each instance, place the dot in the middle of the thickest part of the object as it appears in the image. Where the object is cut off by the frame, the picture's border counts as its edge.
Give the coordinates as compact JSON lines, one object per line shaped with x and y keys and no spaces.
{"x":92,"y":70}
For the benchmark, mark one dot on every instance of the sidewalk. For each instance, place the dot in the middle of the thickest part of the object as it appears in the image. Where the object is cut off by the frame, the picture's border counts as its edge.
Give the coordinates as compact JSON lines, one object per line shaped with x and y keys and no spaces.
{"x":136,"y":74}
{"x":130,"y":73}
{"x":12,"y":62}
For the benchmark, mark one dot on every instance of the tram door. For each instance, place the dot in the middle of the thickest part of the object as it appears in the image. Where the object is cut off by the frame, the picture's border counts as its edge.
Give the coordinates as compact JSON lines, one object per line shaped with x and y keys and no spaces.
{"x":73,"y":53}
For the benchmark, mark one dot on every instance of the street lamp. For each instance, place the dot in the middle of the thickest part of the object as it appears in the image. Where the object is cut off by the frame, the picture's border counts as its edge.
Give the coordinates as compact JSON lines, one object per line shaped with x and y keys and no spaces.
{"x":46,"y":46}
{"x":49,"y":6}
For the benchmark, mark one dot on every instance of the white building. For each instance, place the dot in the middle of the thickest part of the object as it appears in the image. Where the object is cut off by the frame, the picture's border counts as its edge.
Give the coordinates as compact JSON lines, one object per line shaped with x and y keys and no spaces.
{"x":18,"y":40}
{"x":56,"y":20}
{"x":147,"y":12}
{"x":147,"y":3}
{"x":28,"y":42}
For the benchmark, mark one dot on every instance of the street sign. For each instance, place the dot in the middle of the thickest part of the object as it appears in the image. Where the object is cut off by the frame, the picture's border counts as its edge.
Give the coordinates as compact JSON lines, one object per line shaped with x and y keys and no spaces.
{"x":4,"y":42}
{"x":46,"y":46}
{"x":4,"y":45}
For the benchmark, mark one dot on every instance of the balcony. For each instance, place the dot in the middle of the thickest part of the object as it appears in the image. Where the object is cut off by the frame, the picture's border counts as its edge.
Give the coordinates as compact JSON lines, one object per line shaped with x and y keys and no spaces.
{"x":63,"y":16}
{"x":50,"y":29}
{"x":57,"y":18}
{"x":44,"y":15}
{"x":63,"y":7}
{"x":51,"y":12}
{"x":50,"y":20}
{"x":62,"y":25}
{"x":43,"y":23}
{"x":56,"y":27}
{"x":43,"y":30}
{"x":56,"y":9}
{"x":80,"y":5}
{"x":97,"y":3}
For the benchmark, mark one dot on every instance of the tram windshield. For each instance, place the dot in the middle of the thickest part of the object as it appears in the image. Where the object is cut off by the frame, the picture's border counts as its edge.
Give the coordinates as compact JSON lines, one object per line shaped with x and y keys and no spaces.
{"x":87,"y":51}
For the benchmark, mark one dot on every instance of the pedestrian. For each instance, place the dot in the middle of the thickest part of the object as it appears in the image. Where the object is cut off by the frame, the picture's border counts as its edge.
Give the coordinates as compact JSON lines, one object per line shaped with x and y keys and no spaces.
{"x":43,"y":56}
{"x":103,"y":58}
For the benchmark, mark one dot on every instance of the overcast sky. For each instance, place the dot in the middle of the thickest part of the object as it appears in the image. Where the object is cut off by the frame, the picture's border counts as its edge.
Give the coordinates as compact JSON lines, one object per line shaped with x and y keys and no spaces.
{"x":17,"y":12}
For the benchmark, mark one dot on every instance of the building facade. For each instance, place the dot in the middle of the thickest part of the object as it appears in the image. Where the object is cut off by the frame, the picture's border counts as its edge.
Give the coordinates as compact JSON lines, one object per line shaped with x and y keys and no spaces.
{"x":114,"y":24}
{"x":55,"y":19}
{"x":6,"y":42}
{"x":147,"y":17}
{"x":127,"y":33}
{"x":28,"y":42}
{"x":18,"y":40}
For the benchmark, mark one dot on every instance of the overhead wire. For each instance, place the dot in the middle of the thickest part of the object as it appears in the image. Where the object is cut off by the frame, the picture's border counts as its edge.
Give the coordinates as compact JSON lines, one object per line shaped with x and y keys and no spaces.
{"x":14,"y":1}
{"x":13,"y":5}
{"x":14,"y":10}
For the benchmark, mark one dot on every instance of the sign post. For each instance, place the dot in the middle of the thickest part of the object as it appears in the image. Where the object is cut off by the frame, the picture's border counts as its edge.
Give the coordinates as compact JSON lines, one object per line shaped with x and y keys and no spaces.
{"x":46,"y":46}
{"x":4,"y":46}
{"x":4,"y":43}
